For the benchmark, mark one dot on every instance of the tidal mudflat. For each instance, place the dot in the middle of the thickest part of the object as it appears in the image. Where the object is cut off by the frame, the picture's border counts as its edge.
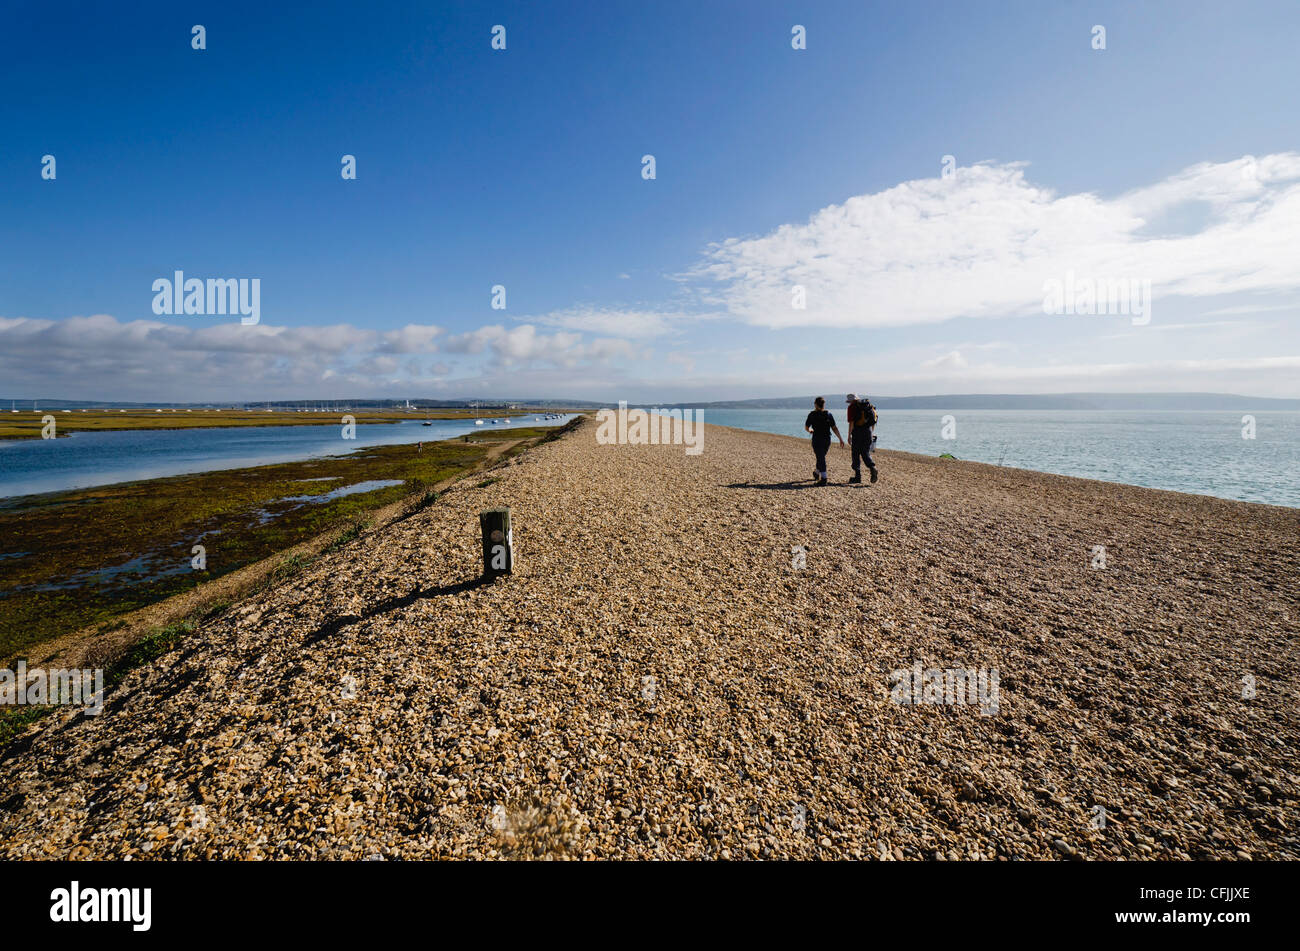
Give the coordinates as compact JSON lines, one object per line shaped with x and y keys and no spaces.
{"x":69,"y":560}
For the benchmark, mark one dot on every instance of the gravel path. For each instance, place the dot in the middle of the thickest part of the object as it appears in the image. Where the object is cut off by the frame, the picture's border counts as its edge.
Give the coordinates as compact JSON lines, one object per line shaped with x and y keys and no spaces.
{"x":663,"y":676}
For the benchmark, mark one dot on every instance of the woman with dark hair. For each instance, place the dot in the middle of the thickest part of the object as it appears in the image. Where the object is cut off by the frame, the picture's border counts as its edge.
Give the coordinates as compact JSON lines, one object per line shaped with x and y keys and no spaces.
{"x":821,"y":424}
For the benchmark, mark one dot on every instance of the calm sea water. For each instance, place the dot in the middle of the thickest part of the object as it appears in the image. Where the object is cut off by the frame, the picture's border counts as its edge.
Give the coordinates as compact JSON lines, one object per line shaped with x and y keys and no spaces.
{"x":83,"y":460}
{"x":1200,"y":452}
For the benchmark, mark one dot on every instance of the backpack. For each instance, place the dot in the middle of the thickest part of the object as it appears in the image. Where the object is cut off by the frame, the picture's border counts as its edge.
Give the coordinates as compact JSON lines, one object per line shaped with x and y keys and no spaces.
{"x":865,"y":414}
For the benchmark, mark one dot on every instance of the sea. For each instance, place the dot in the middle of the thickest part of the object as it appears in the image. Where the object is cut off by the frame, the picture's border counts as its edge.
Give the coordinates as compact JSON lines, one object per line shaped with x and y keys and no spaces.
{"x":1250,"y":457}
{"x":85,"y":460}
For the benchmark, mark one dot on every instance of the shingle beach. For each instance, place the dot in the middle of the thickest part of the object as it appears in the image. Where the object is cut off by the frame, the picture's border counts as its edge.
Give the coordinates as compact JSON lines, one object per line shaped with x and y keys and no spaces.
{"x":699,"y":656}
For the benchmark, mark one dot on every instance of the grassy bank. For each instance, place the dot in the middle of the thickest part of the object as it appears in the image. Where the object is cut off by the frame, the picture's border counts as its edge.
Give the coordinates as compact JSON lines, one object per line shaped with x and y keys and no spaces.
{"x":15,"y":720}
{"x":28,"y":425}
{"x":71,"y":560}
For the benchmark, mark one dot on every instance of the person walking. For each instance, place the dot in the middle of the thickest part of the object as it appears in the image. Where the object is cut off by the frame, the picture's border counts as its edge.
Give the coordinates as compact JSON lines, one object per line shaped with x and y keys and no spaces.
{"x":862,"y":434}
{"x":821,"y":424}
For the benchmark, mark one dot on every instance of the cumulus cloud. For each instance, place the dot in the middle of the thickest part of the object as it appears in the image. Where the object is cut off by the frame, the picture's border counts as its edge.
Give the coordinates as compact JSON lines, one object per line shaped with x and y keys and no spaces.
{"x":413,"y":338}
{"x":82,"y":336}
{"x":980,"y":244}
{"x":100,"y":357}
{"x":983,"y":243}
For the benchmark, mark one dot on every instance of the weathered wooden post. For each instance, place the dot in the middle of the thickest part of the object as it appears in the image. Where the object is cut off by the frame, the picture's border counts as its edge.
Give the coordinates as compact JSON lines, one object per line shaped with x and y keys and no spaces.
{"x":498,"y":545}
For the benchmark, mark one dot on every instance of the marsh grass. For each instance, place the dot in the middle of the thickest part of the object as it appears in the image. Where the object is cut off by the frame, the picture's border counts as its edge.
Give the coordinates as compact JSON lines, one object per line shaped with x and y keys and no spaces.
{"x":14,"y":720}
{"x":157,"y":642}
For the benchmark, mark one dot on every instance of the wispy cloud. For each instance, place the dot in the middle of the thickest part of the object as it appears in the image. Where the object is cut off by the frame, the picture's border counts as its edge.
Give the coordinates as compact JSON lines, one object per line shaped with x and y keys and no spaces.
{"x":953,"y":360}
{"x":983,"y":242}
{"x":615,"y":322}
{"x":980,"y":244}
{"x":523,"y":344}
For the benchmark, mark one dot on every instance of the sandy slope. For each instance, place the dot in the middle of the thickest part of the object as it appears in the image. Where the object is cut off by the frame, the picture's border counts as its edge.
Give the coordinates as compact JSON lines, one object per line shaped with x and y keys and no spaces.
{"x":658,"y":679}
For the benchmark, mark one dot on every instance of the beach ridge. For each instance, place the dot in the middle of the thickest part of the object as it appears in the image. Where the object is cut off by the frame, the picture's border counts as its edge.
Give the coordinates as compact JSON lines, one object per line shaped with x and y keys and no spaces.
{"x":701,"y":656}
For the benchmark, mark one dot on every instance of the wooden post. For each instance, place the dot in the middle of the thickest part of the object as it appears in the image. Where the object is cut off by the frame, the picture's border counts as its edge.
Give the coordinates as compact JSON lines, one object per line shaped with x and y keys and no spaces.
{"x":498,"y":545}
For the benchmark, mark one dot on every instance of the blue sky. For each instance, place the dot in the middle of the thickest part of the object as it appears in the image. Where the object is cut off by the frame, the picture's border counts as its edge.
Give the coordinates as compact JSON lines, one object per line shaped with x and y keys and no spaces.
{"x":1171,"y":156}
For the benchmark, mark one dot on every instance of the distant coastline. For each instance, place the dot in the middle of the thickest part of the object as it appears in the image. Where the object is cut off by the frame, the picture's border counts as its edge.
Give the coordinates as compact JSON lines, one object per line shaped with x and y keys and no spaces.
{"x":1184,"y":402}
{"x":503,"y":406}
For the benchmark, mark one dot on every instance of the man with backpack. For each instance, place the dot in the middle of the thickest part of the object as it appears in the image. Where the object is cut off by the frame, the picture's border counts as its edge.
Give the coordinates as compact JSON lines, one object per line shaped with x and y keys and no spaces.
{"x":862,"y":428}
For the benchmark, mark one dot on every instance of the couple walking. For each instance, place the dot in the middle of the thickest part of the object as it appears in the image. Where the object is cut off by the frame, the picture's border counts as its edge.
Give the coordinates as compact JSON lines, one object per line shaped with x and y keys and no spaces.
{"x":862,"y":418}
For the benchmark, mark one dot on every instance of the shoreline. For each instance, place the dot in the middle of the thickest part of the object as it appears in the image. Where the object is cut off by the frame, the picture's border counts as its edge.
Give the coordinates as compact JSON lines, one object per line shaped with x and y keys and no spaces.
{"x":26,"y":425}
{"x":1207,"y":489}
{"x":663,"y":677}
{"x":399,"y":418}
{"x":59,"y":570}
{"x":949,"y":458}
{"x":170,"y":453}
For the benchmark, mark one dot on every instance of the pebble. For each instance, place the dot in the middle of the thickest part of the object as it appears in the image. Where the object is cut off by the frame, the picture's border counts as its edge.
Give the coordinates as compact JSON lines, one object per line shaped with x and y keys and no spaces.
{"x":654,"y":680}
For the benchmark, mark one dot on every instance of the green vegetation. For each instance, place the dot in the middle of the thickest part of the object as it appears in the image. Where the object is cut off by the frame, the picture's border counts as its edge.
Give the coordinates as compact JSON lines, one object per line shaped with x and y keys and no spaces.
{"x":119,"y":511}
{"x":349,"y":534}
{"x":152,"y":646}
{"x":27,"y":424}
{"x":70,"y":560}
{"x":946,"y":455}
{"x":14,"y":720}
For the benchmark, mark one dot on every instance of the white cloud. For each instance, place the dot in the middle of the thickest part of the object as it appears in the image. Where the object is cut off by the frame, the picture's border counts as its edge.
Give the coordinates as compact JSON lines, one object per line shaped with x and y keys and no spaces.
{"x":923,"y":252}
{"x":524,"y":345}
{"x":101,"y":334}
{"x":952,"y":360}
{"x":614,"y":322}
{"x":1250,"y":309}
{"x":982,"y":244}
{"x":99,"y":357}
{"x":413,"y":338}
{"x":683,"y":360}
{"x":1262,"y":376}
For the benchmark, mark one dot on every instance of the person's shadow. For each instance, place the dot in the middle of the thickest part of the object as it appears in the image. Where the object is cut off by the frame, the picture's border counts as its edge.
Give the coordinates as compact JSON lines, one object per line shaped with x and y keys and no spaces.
{"x":805,"y":484}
